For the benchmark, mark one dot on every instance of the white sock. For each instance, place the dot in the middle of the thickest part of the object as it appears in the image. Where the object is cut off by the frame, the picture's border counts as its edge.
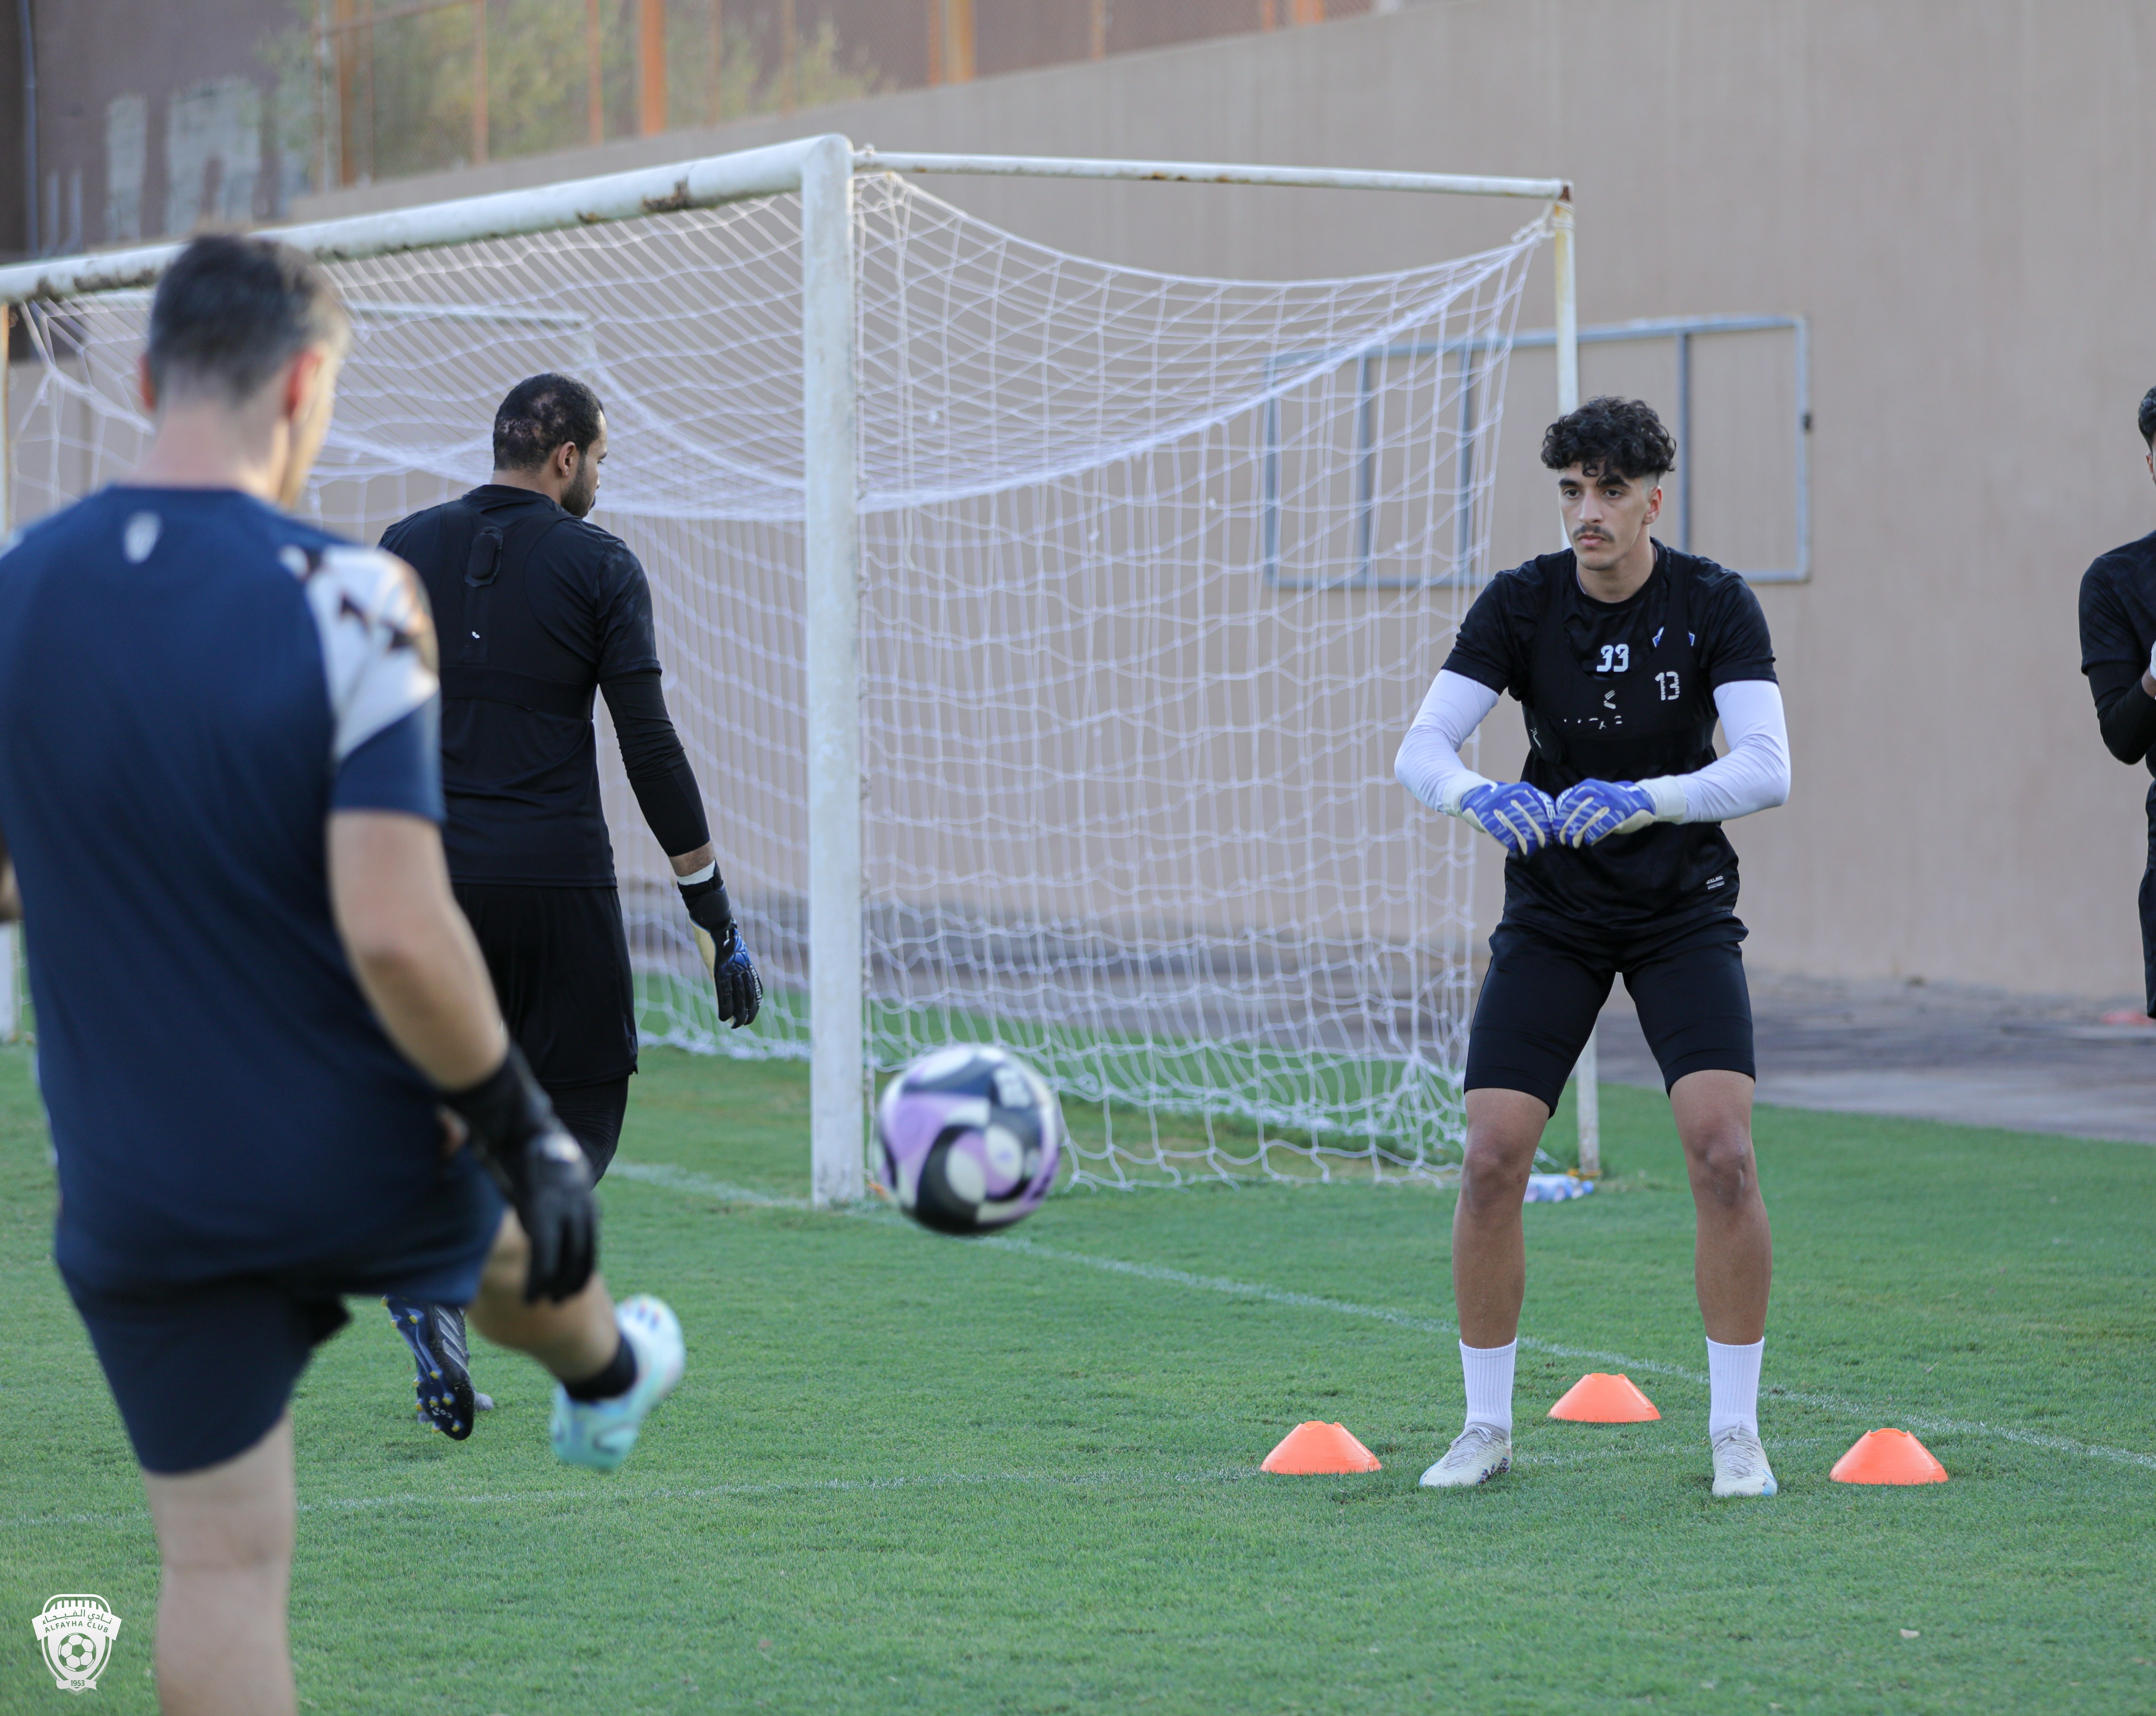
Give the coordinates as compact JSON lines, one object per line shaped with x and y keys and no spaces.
{"x":1732,"y":1376}
{"x":1489,"y":1373}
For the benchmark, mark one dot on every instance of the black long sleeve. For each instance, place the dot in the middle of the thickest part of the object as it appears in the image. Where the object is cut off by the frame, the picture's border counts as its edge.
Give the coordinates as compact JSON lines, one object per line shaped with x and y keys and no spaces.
{"x":2125,"y":714}
{"x":658,"y":769}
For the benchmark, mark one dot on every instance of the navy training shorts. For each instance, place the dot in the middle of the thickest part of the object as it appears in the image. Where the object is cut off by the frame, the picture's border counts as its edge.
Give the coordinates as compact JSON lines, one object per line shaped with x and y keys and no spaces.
{"x":1545,"y":989}
{"x":201,"y":1370}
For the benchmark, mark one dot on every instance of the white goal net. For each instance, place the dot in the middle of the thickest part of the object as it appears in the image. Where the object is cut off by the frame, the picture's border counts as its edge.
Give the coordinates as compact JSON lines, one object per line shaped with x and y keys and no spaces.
{"x":1156,"y":571}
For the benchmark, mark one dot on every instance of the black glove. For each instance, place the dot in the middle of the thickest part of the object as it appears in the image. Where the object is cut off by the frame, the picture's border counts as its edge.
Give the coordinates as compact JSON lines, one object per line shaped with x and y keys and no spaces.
{"x":733,"y":972}
{"x":541,"y":1171}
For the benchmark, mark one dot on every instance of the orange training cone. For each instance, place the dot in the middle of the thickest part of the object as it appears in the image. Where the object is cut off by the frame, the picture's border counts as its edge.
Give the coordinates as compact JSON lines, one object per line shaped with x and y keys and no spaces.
{"x":1888,"y":1457}
{"x":1599,"y":1399}
{"x":1312,"y":1449}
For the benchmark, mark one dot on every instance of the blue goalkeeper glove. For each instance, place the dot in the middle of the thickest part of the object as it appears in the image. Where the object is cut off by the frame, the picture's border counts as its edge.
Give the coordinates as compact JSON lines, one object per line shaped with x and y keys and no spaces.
{"x":1519,"y":817}
{"x":1594,"y":809}
{"x":733,"y":972}
{"x":739,"y":989}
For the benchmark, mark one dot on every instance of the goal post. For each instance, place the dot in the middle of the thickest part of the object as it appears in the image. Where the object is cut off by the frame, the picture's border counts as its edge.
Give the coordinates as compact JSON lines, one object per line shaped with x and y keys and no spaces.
{"x":1588,"y":1074}
{"x":837,"y":1102}
{"x":824,"y":173}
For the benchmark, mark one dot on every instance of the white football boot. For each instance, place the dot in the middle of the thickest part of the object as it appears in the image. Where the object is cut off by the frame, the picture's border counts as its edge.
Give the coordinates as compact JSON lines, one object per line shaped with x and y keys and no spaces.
{"x":600,"y":1433}
{"x":1479,"y":1453}
{"x":1740,"y":1465}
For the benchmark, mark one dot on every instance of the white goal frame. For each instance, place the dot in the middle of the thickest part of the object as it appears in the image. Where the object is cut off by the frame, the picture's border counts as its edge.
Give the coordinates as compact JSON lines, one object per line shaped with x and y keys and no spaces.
{"x":822,"y":170}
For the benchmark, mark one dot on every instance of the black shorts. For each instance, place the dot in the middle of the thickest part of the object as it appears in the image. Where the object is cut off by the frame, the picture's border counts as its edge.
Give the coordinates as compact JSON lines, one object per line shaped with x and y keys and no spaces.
{"x":559,"y":958}
{"x":1545,"y":990}
{"x":201,"y":1371}
{"x":593,"y":1114}
{"x":2148,"y":913}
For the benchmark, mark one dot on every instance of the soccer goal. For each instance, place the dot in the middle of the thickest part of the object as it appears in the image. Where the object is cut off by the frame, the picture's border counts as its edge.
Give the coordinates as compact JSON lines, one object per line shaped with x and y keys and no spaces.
{"x":1040,"y":629}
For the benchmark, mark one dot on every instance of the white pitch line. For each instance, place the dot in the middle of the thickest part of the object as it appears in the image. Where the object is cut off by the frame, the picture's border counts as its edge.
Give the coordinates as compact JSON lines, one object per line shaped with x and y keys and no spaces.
{"x":602,"y":1491}
{"x":679,"y":1180}
{"x":1432,"y":1325}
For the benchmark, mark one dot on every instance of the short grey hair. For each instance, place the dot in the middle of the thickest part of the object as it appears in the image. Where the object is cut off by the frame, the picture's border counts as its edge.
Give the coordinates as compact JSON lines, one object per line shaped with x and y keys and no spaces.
{"x":231,"y":311}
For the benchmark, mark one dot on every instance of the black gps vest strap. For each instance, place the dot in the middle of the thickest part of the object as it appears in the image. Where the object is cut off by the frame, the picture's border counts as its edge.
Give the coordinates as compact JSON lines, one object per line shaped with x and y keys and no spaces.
{"x":493,"y":559}
{"x":546,"y":697}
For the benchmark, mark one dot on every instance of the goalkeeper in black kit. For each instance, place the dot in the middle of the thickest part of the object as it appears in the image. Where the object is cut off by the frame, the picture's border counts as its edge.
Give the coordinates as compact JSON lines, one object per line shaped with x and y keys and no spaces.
{"x":539,"y":610}
{"x":2118,"y":657}
{"x":1624,"y":653}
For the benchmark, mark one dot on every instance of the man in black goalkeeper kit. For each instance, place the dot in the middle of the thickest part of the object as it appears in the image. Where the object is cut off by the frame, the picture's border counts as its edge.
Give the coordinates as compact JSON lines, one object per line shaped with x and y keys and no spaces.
{"x":2119,"y":656}
{"x":1624,"y":653}
{"x":537,"y":608}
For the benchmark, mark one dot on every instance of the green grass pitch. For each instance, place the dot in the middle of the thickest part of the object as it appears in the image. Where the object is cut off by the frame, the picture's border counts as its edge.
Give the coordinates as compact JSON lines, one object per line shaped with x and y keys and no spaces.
{"x":906,"y":1474}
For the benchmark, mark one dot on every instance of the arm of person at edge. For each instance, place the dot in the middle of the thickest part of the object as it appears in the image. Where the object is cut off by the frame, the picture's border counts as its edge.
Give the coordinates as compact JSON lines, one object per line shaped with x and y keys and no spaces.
{"x":1753,"y":776}
{"x":421,"y":970}
{"x":2125,"y":708}
{"x":2121,"y":682}
{"x":1517,"y":816}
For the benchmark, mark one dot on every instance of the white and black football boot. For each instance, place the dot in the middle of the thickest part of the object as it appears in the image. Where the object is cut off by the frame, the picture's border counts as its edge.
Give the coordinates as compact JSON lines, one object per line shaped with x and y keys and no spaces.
{"x":436,"y":1336}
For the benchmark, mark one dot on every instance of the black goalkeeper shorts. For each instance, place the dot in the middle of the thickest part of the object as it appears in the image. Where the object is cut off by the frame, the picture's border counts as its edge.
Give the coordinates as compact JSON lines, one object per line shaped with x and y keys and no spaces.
{"x":559,"y":958}
{"x":593,"y":1114}
{"x":1545,"y":990}
{"x":2149,"y":911}
{"x":201,"y":1371}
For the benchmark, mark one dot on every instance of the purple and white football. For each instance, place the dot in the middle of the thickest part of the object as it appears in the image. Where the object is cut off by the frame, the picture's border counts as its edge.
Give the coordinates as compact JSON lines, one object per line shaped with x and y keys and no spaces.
{"x":971,"y":1136}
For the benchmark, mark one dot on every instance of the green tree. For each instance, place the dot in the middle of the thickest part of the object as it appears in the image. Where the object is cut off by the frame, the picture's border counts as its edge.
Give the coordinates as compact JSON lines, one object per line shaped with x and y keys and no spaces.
{"x":409,"y":82}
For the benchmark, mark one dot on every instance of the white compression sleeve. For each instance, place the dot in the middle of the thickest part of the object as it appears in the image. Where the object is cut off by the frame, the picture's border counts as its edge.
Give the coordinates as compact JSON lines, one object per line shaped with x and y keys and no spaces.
{"x":1754,"y":776}
{"x":1428,"y":764}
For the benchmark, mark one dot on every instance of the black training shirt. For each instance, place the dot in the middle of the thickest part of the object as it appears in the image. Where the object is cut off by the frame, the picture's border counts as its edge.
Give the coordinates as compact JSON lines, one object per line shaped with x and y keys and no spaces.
{"x":570,"y":613}
{"x":1618,"y":691}
{"x":2118,"y":627}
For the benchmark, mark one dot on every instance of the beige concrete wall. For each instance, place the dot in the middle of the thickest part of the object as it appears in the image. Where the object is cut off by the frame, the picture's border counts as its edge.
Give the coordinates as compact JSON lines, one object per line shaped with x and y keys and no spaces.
{"x":1955,"y":192}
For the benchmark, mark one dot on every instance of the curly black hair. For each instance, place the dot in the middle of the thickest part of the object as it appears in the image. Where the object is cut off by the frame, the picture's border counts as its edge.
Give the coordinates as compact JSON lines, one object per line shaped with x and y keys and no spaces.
{"x":541,"y":412}
{"x":2148,"y":419}
{"x":1611,"y":434}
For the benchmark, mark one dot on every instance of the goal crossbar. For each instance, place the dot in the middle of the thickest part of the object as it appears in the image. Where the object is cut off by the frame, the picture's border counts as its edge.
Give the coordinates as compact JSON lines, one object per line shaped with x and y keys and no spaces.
{"x":705,"y":182}
{"x":1197,"y":172}
{"x":821,"y":169}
